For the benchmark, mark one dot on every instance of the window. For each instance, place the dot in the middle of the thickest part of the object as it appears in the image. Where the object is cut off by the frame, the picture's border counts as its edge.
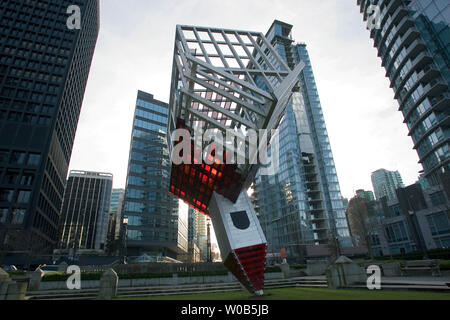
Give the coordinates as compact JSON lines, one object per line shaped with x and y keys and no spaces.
{"x":18,"y":216}
{"x":397,"y":232}
{"x":3,"y":215}
{"x":135,"y":235}
{"x":34,"y":159}
{"x":438,"y":198}
{"x":134,"y":207}
{"x":135,"y":194}
{"x":439,"y":223}
{"x":3,"y":156}
{"x":136,"y":181}
{"x":27,"y":179}
{"x":6,"y":195}
{"x":152,"y":196}
{"x":18,"y":157}
{"x":11,"y":177}
{"x":23,"y":197}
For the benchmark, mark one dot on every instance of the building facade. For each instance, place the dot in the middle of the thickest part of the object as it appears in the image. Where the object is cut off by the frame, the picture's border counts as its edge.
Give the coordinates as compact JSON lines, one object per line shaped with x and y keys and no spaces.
{"x":301,"y":205}
{"x":44,"y":67}
{"x":413,"y":41}
{"x":363,"y":194}
{"x":115,"y":225}
{"x":115,"y":211}
{"x":418,"y":221}
{"x":194,"y":253}
{"x":385,"y":183}
{"x":156,"y":226}
{"x":85,"y":212}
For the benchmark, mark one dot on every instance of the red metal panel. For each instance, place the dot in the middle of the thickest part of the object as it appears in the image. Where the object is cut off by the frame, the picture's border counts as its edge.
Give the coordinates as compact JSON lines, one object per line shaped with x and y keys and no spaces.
{"x":253,"y":261}
{"x":195,"y":183}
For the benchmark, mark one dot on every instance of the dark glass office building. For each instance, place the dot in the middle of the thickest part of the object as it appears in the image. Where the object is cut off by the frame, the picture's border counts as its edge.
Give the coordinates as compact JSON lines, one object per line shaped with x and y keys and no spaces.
{"x":44,"y":67}
{"x":155,"y":227}
{"x":413,"y":42}
{"x":85,"y":212}
{"x":301,"y":205}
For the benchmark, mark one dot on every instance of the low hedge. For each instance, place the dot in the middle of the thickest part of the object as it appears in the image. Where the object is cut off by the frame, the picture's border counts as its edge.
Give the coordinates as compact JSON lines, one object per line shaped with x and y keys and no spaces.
{"x":299,"y":267}
{"x":273,"y":269}
{"x":202,"y":274}
{"x":61,"y":277}
{"x":445,"y":265}
{"x":16,"y":273}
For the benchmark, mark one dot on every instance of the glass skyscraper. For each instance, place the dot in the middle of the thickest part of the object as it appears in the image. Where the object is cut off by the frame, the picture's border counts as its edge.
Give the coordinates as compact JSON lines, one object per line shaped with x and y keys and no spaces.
{"x":115,"y":211}
{"x":385,"y":184}
{"x":156,"y":226}
{"x":413,"y":42}
{"x":44,"y":68}
{"x":301,"y":205}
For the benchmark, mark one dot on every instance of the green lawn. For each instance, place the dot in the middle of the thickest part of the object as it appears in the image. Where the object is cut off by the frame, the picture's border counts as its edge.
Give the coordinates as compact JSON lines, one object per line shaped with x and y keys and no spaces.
{"x":312,"y":294}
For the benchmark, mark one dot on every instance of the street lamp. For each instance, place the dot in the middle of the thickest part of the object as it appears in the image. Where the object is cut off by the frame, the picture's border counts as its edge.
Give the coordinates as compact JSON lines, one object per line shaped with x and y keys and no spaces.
{"x":272,"y":234}
{"x":125,"y":225}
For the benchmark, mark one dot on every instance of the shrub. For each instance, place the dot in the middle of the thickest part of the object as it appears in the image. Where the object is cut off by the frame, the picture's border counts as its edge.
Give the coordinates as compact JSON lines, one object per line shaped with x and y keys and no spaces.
{"x":133,"y":276}
{"x":298,"y":267}
{"x":445,"y":265}
{"x":273,"y":269}
{"x":62,"y":277}
{"x":202,"y":274}
{"x":16,"y":273}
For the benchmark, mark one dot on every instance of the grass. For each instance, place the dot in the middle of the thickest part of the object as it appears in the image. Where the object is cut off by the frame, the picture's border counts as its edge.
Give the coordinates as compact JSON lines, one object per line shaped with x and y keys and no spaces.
{"x":445,"y":265}
{"x":310,"y":294}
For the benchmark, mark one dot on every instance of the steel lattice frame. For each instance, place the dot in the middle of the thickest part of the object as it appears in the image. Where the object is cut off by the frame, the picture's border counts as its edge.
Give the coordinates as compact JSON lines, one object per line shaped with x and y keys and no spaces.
{"x":230,"y":81}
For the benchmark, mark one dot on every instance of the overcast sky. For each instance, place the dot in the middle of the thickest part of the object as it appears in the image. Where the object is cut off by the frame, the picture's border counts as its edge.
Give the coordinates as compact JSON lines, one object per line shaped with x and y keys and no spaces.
{"x":135,"y":49}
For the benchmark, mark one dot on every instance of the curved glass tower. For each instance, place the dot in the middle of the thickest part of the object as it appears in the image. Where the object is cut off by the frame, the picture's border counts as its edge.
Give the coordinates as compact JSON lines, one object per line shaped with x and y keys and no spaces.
{"x":413,"y":41}
{"x":301,"y":206}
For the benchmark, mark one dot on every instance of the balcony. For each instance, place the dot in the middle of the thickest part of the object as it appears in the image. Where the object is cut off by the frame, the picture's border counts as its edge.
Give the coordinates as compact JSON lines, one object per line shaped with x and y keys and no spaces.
{"x":419,"y":61}
{"x":317,"y":218}
{"x":416,"y":47}
{"x":441,"y":102}
{"x":429,"y":73}
{"x":433,"y":88}
{"x":398,"y":24}
{"x":384,"y":17}
{"x":439,"y":144}
{"x":410,"y":34}
{"x":312,"y":192}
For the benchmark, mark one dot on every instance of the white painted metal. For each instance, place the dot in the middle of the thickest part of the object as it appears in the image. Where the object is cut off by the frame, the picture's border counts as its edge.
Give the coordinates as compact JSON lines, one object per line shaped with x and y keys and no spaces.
{"x":228,"y":236}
